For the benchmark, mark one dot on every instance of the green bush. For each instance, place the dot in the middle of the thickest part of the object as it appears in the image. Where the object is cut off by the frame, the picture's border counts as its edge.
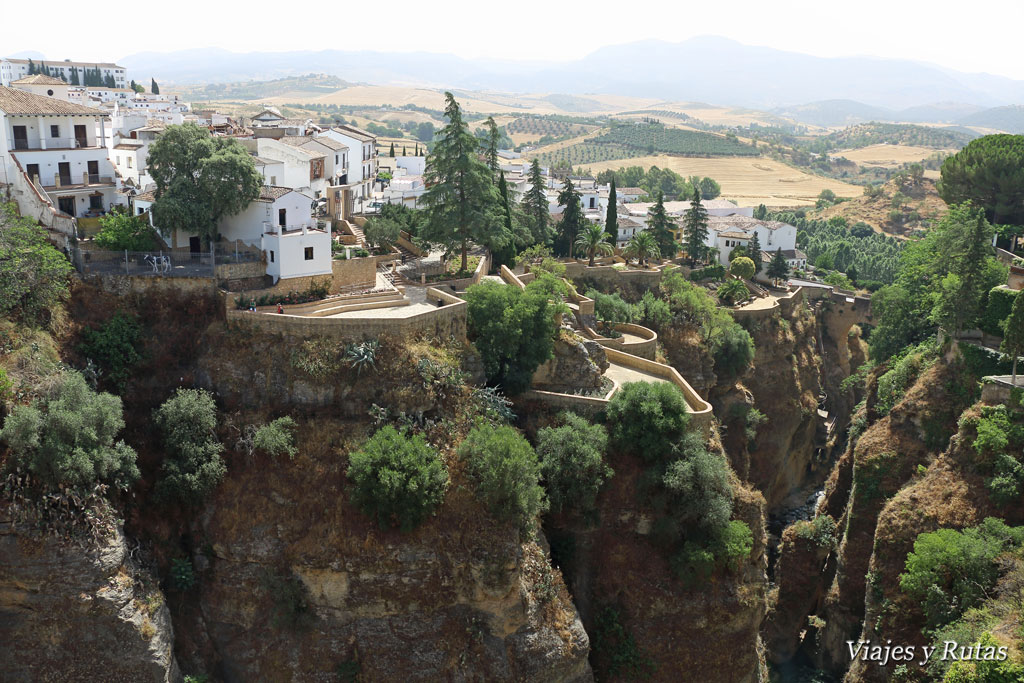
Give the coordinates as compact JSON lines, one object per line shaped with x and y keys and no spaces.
{"x":700,"y":491}
{"x":397,"y":479}
{"x":277,"y":438}
{"x":121,"y":231}
{"x":505,"y":472}
{"x":732,"y":291}
{"x":647,"y":418}
{"x":572,"y":462}
{"x":652,"y":311}
{"x":5,"y":385}
{"x":193,"y":466}
{"x":113,"y":346}
{"x":732,"y":545}
{"x":34,"y":275}
{"x":715,"y":272}
{"x":610,"y":307}
{"x":950,"y":571}
{"x":72,"y":442}
{"x":513,"y":330}
{"x":997,"y":310}
{"x":903,"y":370}
{"x":821,"y":531}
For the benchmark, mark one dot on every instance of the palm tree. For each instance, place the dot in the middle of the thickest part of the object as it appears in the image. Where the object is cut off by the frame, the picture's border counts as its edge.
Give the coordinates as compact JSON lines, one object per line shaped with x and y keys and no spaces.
{"x":642,"y":246}
{"x":593,"y":239}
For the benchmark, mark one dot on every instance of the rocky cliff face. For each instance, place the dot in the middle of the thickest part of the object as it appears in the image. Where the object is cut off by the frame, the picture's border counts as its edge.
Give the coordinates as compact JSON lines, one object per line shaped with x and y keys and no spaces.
{"x":71,"y":612}
{"x":709,"y":633}
{"x":296,"y":584}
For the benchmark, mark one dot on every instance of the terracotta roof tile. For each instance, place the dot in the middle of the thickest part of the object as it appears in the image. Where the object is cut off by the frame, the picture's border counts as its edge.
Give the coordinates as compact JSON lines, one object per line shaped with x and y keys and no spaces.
{"x":21,"y":103}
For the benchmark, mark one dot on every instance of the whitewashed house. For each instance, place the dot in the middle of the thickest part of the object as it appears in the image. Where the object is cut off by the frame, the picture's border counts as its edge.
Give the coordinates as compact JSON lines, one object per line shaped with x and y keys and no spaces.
{"x":305,"y":170}
{"x":279,"y":223}
{"x":335,"y":155}
{"x":725,"y":233}
{"x":60,"y":147}
{"x":362,"y":173}
{"x":12,"y":69}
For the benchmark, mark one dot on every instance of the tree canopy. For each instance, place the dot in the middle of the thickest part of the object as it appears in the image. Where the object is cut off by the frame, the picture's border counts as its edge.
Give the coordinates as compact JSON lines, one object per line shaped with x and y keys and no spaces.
{"x":461,"y":201}
{"x":989,"y":172}
{"x":695,"y":228}
{"x":33,"y":274}
{"x":199,"y":179}
{"x":661,"y":226}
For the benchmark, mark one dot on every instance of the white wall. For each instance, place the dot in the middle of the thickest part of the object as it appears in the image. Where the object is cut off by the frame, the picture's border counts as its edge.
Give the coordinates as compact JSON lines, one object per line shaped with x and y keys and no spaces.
{"x":414,"y":165}
{"x":289,"y":254}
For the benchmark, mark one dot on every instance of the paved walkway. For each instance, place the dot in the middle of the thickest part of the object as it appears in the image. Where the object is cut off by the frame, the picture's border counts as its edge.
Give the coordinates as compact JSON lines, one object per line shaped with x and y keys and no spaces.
{"x":760,"y":304}
{"x":622,"y":374}
{"x":393,"y":312}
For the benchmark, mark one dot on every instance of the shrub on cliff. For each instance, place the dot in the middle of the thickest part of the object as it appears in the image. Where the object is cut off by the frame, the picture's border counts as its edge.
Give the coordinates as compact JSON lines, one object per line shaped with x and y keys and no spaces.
{"x":114,"y":346}
{"x":505,"y":471}
{"x":647,"y":418}
{"x":193,"y":467}
{"x":572,"y":460}
{"x":397,"y":479}
{"x":513,"y":330}
{"x":950,"y":571}
{"x":72,"y":442}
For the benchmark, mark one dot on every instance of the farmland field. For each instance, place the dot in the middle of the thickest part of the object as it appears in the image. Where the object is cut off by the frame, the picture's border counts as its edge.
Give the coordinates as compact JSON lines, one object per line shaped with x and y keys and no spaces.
{"x":748,"y":180}
{"x":888,"y":156}
{"x":656,"y":138}
{"x":531,"y":128}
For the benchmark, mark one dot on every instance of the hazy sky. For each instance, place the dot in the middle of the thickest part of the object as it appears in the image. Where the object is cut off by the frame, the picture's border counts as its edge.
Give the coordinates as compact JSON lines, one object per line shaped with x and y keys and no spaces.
{"x":982,"y":35}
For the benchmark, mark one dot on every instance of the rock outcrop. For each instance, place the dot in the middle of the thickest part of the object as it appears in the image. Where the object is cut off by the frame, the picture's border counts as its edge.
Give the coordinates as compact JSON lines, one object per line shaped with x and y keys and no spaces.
{"x":74,"y":613}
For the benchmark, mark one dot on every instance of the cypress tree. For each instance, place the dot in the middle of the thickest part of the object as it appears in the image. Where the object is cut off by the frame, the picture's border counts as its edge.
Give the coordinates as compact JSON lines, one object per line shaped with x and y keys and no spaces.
{"x":778,"y":269}
{"x":505,"y":254}
{"x":1013,"y":336}
{"x":611,"y":219}
{"x":31,"y":67}
{"x":572,"y":219}
{"x":392,"y":152}
{"x":535,"y":204}
{"x":461,"y":201}
{"x":403,"y":150}
{"x":695,"y":223}
{"x":493,"y":137}
{"x":154,"y":88}
{"x":754,"y":252}
{"x":74,"y":76}
{"x":659,"y":224}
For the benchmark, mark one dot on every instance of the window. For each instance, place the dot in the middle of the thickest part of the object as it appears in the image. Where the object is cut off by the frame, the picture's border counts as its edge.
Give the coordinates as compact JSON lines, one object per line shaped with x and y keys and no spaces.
{"x":54,"y":131}
{"x":129,"y":161}
{"x":273,"y":180}
{"x":281,"y":217}
{"x":271,"y":255}
{"x":309,"y":253}
{"x":117,"y":160}
{"x":50,"y":93}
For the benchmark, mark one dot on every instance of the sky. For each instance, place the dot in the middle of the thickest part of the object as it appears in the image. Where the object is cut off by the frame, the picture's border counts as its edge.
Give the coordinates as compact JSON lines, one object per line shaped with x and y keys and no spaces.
{"x":980,"y":36}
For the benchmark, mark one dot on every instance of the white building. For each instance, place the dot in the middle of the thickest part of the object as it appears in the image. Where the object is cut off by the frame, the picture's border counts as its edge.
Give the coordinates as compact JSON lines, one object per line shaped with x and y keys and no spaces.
{"x":335,"y":155}
{"x":61,"y":148}
{"x":47,"y":86}
{"x":714,"y":207}
{"x":414,"y":165}
{"x":279,"y":223}
{"x":725,"y":233}
{"x":304,"y":169}
{"x":12,"y":69}
{"x":404,"y":188}
{"x":362,"y":173}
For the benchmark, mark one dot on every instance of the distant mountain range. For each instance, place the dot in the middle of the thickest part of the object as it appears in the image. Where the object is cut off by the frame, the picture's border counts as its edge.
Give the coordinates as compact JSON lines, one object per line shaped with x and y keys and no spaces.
{"x":833,"y":113}
{"x":710,"y":69}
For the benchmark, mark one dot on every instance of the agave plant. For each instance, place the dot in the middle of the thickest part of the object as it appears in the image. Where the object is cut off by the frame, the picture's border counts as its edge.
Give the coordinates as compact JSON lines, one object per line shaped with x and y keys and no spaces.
{"x":363,"y":355}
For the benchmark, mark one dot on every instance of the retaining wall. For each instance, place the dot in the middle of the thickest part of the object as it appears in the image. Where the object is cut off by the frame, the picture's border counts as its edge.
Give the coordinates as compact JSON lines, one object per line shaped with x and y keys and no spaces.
{"x":142,"y":284}
{"x":445,"y":321}
{"x":645,"y":349}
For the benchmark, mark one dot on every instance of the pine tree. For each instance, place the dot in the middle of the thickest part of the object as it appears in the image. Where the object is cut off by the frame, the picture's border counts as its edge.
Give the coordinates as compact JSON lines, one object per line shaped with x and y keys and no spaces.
{"x":778,"y":269}
{"x":660,"y":224}
{"x":611,"y":219}
{"x":154,"y":88}
{"x":535,"y":205}
{"x":695,"y":224}
{"x":461,"y":201}
{"x":493,"y":138}
{"x":754,"y":252}
{"x":572,"y":219}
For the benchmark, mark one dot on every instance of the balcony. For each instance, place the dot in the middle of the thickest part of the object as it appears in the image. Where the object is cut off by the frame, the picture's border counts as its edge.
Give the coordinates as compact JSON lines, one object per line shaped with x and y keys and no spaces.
{"x":52,"y":143}
{"x":68,"y":182}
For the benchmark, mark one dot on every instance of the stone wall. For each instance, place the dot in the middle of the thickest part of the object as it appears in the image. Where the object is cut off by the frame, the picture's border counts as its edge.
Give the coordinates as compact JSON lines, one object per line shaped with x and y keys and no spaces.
{"x":444,"y":321}
{"x":238,"y":271}
{"x":645,"y":349}
{"x":145,"y":284}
